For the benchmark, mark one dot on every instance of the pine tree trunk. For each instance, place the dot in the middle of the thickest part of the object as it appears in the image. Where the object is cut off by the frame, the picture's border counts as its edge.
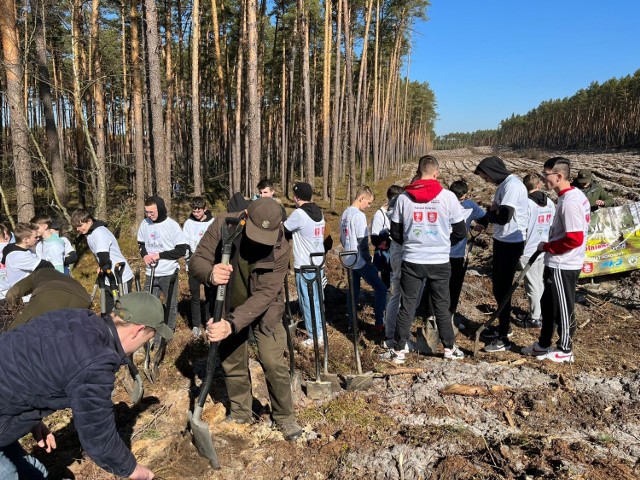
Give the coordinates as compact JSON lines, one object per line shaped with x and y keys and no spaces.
{"x":100,"y":115}
{"x":309,"y":150}
{"x":326,"y":100}
{"x":138,"y":125}
{"x":335,"y":134}
{"x":195,"y":98}
{"x":19,"y":132}
{"x":253,"y":100}
{"x":160,"y":159}
{"x":53,"y":145}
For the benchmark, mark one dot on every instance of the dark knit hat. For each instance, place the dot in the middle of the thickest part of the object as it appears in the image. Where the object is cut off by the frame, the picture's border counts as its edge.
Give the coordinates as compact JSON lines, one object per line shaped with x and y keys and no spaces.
{"x":303,"y":191}
{"x":264,"y":220}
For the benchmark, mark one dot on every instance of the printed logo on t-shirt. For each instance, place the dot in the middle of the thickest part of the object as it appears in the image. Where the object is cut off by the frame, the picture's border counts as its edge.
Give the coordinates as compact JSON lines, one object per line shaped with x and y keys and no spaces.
{"x":319,"y":231}
{"x":417,"y":216}
{"x":432,"y":217}
{"x":154,"y":240}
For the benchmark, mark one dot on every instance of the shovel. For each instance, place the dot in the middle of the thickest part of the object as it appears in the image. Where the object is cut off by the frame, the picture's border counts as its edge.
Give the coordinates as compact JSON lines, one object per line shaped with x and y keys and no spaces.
{"x":132,"y":380}
{"x":318,"y":389}
{"x":147,"y":347}
{"x":505,"y":300}
{"x":429,"y":332}
{"x":199,"y":428}
{"x":159,"y":356}
{"x":290,"y":327}
{"x":136,"y":275}
{"x":358,"y":381}
{"x":122,"y":287}
{"x":325,"y":375}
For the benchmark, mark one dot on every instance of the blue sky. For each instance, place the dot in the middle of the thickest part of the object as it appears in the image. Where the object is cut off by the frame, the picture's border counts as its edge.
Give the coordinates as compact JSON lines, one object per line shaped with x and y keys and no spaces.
{"x":487,"y":59}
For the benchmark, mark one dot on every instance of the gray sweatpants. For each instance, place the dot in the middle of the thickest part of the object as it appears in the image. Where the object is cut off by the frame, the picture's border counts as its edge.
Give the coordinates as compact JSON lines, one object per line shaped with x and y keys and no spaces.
{"x":534,"y":285}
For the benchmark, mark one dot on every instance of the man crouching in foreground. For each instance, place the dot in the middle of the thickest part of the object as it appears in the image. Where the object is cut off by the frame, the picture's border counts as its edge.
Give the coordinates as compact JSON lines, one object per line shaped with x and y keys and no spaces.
{"x":68,"y":359}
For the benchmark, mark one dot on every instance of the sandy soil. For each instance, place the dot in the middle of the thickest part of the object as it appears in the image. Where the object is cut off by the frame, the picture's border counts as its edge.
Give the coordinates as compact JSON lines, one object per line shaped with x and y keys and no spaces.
{"x":516,"y":417}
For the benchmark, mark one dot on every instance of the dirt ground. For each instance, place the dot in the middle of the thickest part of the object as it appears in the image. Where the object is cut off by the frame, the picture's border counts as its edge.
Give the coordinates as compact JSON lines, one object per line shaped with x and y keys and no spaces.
{"x":486,"y":417}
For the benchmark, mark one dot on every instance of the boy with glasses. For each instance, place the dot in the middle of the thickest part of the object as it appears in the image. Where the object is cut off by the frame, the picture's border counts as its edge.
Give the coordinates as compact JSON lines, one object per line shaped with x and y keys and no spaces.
{"x":563,"y":258}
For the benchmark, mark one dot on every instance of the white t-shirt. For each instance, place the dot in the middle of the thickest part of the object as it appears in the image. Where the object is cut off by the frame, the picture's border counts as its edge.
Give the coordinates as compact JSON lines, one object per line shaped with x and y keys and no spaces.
{"x":52,"y":249}
{"x":194,"y":230}
{"x":573,"y":214}
{"x":353,"y":225}
{"x":427,"y":227}
{"x":308,"y":237}
{"x":472,"y":213}
{"x":101,"y":240}
{"x":512,"y":192}
{"x":380,"y":224}
{"x":20,"y":263}
{"x":161,"y":237}
{"x":540,"y":219}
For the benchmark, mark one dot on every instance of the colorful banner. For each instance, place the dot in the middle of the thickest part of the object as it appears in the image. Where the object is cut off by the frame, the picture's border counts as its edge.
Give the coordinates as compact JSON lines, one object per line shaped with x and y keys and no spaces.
{"x":613,"y":243}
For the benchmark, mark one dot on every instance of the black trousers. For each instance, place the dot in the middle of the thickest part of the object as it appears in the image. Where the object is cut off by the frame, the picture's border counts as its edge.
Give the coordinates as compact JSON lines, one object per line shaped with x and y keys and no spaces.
{"x":505,"y":263}
{"x":196,"y":304}
{"x":437,"y":285}
{"x":558,"y":307}
{"x":456,"y":281}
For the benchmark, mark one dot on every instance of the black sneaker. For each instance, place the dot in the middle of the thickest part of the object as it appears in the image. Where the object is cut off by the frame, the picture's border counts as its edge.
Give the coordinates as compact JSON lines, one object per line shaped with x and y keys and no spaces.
{"x":498,"y":345}
{"x":492,"y":333}
{"x":527,"y":322}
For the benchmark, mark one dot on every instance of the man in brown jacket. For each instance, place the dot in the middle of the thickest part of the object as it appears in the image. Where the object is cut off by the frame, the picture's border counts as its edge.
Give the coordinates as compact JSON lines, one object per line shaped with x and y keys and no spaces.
{"x":254,"y":300}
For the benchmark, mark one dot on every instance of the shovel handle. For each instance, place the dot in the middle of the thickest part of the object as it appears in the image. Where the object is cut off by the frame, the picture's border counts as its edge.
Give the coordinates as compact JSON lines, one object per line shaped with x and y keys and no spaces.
{"x":348,"y":253}
{"x":316,"y":255}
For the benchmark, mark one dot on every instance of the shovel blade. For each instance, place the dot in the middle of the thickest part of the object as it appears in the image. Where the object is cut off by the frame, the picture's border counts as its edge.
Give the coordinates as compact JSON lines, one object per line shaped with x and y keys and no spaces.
{"x":134,"y":387}
{"x":202,"y":437}
{"x":319,"y":390}
{"x":358,"y":382}
{"x":332,"y":378}
{"x":431,"y":337}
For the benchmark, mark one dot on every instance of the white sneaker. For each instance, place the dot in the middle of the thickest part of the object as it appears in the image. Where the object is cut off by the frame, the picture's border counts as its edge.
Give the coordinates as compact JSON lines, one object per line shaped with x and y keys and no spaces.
{"x":453,"y":353}
{"x":558,"y":356}
{"x":396,"y":356}
{"x":535,"y":350}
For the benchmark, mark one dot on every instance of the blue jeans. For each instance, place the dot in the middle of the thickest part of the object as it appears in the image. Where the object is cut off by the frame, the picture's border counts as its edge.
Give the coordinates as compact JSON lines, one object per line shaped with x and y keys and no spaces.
{"x":305,"y":304}
{"x":15,"y":464}
{"x":369,"y":273}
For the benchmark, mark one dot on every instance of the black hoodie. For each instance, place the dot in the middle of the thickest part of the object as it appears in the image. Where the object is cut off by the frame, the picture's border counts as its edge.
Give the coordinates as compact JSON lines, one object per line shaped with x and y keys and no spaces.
{"x":162,"y":209}
{"x":494,"y":168}
{"x":205,"y":218}
{"x":539,"y":197}
{"x":178,"y":251}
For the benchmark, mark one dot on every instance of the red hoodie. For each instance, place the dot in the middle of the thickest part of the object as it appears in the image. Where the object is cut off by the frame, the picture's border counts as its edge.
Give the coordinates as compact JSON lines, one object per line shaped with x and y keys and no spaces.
{"x":423,"y":191}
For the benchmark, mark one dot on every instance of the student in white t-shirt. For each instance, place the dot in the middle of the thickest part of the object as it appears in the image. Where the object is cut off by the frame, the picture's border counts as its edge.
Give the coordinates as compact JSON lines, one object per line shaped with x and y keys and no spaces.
{"x":472,"y":213}
{"x":105,"y":248}
{"x":162,"y":242}
{"x":541,"y":212}
{"x":509,"y":215}
{"x":19,"y":258}
{"x":306,"y":226}
{"x":194,"y":228}
{"x":563,"y":259}
{"x":52,"y":246}
{"x":380,"y":237}
{"x":427,"y":220}
{"x":354,"y":235}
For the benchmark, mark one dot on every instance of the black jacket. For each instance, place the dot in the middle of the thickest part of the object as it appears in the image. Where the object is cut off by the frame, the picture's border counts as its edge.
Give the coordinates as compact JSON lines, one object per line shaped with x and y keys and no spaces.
{"x":64,"y":359}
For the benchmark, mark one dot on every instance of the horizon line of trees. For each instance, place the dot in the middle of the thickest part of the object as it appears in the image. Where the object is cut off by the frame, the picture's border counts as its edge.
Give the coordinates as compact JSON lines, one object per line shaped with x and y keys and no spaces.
{"x":601,"y":116}
{"x":216,"y":94}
